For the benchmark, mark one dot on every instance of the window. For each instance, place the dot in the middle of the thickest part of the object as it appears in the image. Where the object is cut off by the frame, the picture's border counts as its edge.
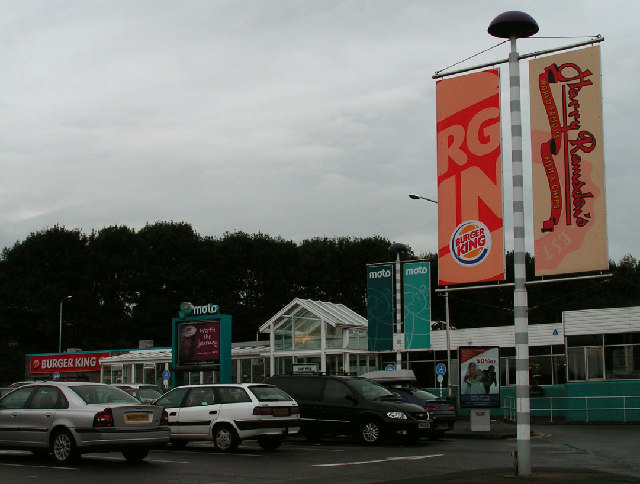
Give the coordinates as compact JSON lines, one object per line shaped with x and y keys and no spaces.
{"x":200,"y":396}
{"x":48,"y":398}
{"x":336,"y":391}
{"x":622,"y":362}
{"x":173,"y":398}
{"x":233,"y":395}
{"x":265,"y":393}
{"x":102,"y":394}
{"x":576,"y":362}
{"x":17,"y":398}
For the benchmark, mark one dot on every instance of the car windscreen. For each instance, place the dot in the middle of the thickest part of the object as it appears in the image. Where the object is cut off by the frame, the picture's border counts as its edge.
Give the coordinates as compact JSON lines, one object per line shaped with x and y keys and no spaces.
{"x":103,"y":394}
{"x":266,"y":393}
{"x":371,"y":390}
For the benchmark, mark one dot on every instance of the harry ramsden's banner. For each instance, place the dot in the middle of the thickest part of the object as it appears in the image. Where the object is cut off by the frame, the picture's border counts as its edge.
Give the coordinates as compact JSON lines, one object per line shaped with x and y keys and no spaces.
{"x":569,"y":217}
{"x":380,"y":307}
{"x":470,"y":224}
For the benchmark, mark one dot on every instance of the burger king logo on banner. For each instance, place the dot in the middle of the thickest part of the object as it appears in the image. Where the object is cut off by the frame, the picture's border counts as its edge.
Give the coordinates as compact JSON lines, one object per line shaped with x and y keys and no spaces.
{"x":470,"y":243}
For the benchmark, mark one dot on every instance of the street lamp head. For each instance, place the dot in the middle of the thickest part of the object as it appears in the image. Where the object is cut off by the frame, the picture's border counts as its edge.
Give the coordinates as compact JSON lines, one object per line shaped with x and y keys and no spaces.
{"x":513,"y":24}
{"x":414,"y":196}
{"x":398,"y":247}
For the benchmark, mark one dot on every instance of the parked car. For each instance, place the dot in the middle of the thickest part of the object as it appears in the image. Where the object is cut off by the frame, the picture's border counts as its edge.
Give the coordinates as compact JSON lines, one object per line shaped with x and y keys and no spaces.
{"x":229,"y":414}
{"x":338,"y":405}
{"x":139,"y":386}
{"x":144,"y":395}
{"x":5,"y":390}
{"x":402,"y":382}
{"x":71,"y":418}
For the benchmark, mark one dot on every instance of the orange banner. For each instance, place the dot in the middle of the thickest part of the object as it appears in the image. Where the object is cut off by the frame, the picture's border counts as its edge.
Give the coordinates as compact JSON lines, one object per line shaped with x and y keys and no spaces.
{"x":569,"y":216}
{"x":470,"y":221}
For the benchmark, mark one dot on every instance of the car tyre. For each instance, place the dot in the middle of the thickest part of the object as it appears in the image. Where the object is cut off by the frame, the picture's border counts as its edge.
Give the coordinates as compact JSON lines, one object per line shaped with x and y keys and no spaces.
{"x":63,"y":447}
{"x":225,"y":438}
{"x":269,"y":442}
{"x":370,"y":431}
{"x":135,"y":454}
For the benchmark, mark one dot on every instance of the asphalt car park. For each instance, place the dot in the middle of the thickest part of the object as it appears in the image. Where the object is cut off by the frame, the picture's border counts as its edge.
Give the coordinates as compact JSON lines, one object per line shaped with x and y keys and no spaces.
{"x":560,"y":453}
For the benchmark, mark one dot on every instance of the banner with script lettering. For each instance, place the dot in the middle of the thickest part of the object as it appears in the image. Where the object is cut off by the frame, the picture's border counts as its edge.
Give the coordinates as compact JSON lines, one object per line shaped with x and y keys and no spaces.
{"x":416,"y":298}
{"x":470,"y":220}
{"x":380,"y":309}
{"x":569,"y":216}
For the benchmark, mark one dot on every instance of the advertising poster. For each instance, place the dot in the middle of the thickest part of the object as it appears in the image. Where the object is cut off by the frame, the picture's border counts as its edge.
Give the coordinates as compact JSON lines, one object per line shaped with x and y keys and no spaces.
{"x":479,"y":376}
{"x":416,"y":290}
{"x":199,"y":343}
{"x":470,"y":215}
{"x":380,"y":314}
{"x":569,"y":214}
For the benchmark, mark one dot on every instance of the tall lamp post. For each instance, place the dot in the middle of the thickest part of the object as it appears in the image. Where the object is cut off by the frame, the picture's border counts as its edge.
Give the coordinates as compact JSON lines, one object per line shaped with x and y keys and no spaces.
{"x":414,"y":196}
{"x":513,"y":25}
{"x":398,"y":248}
{"x":60,"y":333}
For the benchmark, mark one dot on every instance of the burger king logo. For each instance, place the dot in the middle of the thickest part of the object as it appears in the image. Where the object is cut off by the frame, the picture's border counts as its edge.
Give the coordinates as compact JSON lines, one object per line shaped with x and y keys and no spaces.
{"x":36,"y":364}
{"x":470,"y":243}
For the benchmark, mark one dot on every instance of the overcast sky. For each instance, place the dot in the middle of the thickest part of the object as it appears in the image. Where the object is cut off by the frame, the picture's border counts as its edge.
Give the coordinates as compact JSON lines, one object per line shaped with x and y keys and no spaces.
{"x":298,"y":118}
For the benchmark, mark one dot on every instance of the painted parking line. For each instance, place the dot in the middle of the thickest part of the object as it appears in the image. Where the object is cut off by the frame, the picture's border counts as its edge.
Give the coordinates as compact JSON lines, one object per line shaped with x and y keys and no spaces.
{"x":378,"y":461}
{"x":32,"y":466}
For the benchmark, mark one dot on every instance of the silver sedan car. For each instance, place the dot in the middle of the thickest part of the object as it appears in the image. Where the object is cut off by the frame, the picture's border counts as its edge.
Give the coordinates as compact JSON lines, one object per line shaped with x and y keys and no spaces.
{"x":67,"y":419}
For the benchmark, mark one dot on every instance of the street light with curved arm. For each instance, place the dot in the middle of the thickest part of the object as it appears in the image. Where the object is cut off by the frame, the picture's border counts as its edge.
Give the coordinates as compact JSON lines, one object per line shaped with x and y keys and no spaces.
{"x":414,"y":196}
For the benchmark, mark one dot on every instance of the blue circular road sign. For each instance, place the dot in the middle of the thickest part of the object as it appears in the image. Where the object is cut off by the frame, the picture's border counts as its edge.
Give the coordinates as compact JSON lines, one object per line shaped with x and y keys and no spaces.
{"x":441,"y":369}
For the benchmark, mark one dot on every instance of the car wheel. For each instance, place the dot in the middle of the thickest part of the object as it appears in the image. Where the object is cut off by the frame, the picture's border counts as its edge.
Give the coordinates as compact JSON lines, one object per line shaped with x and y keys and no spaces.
{"x":269,"y":442}
{"x":225,"y":438}
{"x":370,"y":431}
{"x":135,"y":454}
{"x":63,"y":447}
{"x":178,"y":444}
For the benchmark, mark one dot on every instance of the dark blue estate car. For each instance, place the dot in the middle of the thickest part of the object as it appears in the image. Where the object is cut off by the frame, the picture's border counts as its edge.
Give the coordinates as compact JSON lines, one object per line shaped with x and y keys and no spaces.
{"x":401,"y":382}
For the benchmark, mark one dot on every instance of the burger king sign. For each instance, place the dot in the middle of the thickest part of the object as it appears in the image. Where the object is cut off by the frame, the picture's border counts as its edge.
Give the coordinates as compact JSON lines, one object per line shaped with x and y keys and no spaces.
{"x":470,"y":243}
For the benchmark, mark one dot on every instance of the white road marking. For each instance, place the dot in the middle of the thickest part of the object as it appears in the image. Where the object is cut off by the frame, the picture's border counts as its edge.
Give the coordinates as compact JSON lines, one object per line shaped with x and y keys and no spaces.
{"x":378,"y":461}
{"x":39,"y":467}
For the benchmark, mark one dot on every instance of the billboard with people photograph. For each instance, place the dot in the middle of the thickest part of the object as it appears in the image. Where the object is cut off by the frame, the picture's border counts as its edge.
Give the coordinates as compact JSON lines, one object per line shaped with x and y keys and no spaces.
{"x":479,"y":376}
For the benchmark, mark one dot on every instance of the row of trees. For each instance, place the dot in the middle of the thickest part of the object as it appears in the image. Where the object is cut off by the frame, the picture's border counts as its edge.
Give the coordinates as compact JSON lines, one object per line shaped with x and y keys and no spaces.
{"x":126,"y":285}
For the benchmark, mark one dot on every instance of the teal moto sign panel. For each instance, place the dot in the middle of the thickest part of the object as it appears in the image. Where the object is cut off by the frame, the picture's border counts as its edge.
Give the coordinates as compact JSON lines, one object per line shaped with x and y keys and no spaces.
{"x":380,"y":307}
{"x":416,"y":289}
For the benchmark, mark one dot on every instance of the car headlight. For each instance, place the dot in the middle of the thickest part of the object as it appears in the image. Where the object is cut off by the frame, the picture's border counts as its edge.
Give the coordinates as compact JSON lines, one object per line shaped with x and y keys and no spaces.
{"x":397,"y":415}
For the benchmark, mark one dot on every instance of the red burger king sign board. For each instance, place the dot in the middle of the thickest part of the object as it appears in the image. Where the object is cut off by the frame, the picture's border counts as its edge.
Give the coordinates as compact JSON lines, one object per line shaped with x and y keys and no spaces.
{"x":71,"y":362}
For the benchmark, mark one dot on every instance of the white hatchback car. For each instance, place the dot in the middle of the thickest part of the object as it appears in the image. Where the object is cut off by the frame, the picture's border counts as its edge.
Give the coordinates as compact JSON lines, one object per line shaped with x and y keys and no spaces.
{"x":230,"y":413}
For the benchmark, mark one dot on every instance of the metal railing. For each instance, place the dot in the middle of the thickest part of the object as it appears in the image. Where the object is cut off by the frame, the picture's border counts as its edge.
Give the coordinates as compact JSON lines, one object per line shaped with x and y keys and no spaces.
{"x":546,"y":406}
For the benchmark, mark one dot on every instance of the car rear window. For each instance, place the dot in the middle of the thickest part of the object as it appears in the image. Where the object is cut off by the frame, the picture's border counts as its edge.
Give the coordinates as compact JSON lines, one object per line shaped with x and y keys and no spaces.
{"x":266,"y":393}
{"x":103,"y":394}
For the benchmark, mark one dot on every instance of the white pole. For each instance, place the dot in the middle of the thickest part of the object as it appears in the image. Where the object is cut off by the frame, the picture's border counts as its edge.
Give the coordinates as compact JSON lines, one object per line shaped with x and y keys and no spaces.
{"x":520,"y":302}
{"x":398,"y":314}
{"x":60,"y":332}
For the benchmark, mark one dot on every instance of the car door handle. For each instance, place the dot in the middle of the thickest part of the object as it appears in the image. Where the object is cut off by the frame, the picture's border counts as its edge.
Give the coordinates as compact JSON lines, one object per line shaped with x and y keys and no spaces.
{"x":48,"y":415}
{"x":173,"y":414}
{"x":213,"y":412}
{"x":15,"y":415}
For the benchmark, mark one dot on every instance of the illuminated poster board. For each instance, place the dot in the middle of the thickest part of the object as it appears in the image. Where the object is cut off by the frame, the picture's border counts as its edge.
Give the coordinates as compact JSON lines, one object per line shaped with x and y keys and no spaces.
{"x":198,"y":343}
{"x":479,"y":371}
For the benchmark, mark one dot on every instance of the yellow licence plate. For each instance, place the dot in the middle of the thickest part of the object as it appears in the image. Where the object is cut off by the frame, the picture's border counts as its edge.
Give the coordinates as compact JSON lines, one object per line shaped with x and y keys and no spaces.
{"x":137,"y":417}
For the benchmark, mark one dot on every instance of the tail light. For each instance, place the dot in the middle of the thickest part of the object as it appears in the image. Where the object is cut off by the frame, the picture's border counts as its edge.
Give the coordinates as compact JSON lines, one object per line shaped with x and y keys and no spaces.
{"x":103,"y":418}
{"x":262,"y":411}
{"x":452,"y":408}
{"x":430,"y":409}
{"x":164,"y":420}
{"x":295,"y":410}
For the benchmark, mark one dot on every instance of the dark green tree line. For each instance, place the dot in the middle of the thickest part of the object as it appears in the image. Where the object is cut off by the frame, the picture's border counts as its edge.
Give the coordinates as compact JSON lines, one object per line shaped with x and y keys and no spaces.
{"x":126,"y":285}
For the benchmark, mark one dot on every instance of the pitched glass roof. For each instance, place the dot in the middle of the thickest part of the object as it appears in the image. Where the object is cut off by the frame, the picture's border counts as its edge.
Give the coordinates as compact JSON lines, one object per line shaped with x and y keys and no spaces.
{"x":300,"y":309}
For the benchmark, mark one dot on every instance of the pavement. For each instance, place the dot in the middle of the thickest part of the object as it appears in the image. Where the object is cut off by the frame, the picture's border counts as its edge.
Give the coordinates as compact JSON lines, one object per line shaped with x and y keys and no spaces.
{"x":502,"y":429}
